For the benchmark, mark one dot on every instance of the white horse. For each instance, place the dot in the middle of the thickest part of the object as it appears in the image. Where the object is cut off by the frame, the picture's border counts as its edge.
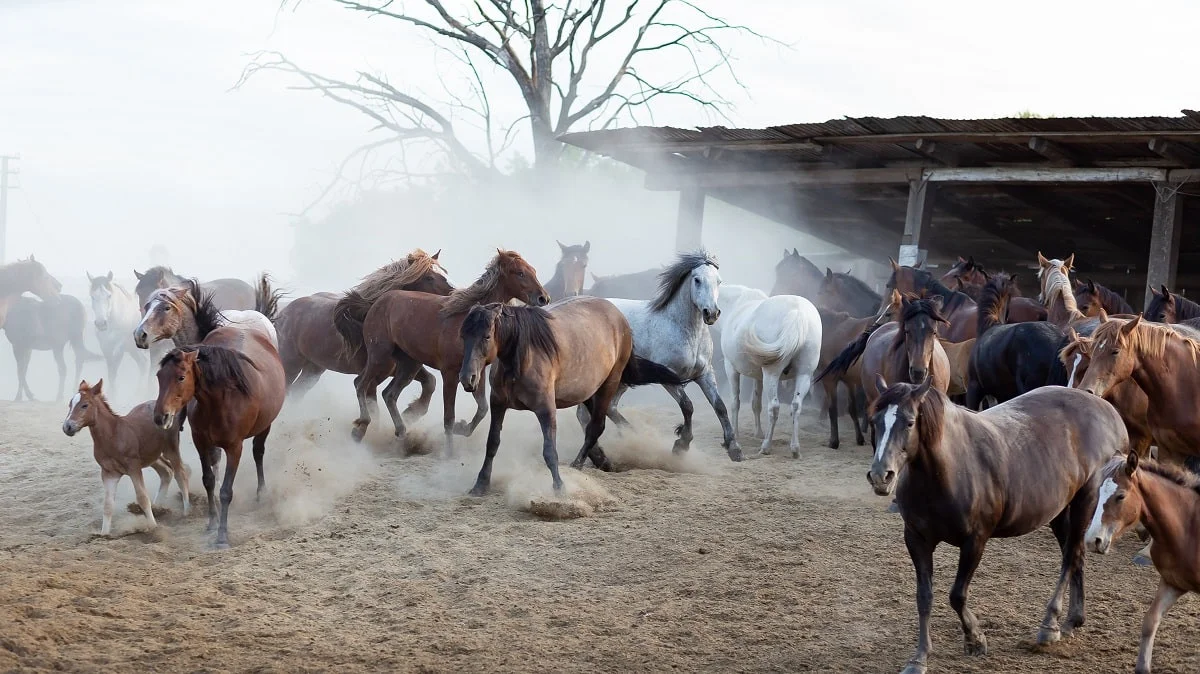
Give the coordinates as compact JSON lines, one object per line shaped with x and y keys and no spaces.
{"x":116,"y":313}
{"x":769,"y":339}
{"x":671,"y":331}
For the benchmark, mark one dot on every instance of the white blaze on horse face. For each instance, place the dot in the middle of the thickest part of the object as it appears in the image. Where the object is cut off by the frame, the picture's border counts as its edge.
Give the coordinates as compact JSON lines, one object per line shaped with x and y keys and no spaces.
{"x":1074,"y":369}
{"x":1097,"y":528}
{"x":889,"y":421}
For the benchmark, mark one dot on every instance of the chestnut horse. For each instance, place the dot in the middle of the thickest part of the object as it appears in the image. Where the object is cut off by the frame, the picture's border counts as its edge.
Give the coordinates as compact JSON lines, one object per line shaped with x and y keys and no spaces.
{"x":310,"y":344}
{"x":577,"y":351}
{"x":969,"y":277}
{"x":1127,"y":397}
{"x":962,"y":477}
{"x":404,"y":330}
{"x":1165,"y":500}
{"x":1091,"y":297}
{"x":232,"y":387}
{"x":570,"y":271}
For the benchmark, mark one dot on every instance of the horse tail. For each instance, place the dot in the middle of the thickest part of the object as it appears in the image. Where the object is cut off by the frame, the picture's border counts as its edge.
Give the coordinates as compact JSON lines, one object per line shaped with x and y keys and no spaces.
{"x":640,"y":371}
{"x":76,"y":321}
{"x":785,"y":346}
{"x":266,"y":298}
{"x":842,"y":362}
{"x":348,"y":317}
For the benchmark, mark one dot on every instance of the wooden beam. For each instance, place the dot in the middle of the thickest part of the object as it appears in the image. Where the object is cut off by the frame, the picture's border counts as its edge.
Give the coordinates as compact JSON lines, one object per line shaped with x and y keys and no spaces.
{"x":1047,"y":204}
{"x":921,"y":197}
{"x":1000,"y":174}
{"x":1175,"y":151}
{"x":662,"y":181}
{"x":1053,"y":151}
{"x":690,"y":222}
{"x":1010,"y":137}
{"x":939,"y":153}
{"x":1164,"y":238}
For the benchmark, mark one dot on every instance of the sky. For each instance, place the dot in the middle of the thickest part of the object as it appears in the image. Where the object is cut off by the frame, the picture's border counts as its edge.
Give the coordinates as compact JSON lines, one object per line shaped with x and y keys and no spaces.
{"x":129,"y":134}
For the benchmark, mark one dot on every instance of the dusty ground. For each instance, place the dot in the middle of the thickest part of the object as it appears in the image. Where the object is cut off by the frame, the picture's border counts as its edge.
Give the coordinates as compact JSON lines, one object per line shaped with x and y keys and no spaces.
{"x":361,"y":558}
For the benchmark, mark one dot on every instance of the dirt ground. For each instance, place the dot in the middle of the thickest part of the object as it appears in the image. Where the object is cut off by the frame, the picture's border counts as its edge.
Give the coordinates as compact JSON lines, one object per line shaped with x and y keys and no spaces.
{"x":360,"y":557}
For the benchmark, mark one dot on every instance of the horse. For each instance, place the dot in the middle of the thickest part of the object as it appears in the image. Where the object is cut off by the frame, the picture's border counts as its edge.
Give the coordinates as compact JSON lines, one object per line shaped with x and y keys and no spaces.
{"x":116,"y":315}
{"x":232,"y":387}
{"x":25,"y":276}
{"x":404,"y":330}
{"x":843,"y":292}
{"x":965,"y":272}
{"x":671,"y":330}
{"x":962,"y":477}
{"x":227,"y":293}
{"x":1091,"y":297}
{"x":640,"y":285}
{"x":1127,"y":397}
{"x":795,"y":275}
{"x":185,"y":315}
{"x":310,"y":344}
{"x":576,"y":351}
{"x":770,"y":339}
{"x":838,"y":330}
{"x":958,"y":308}
{"x":124,"y":445}
{"x":47,"y":325}
{"x":570,"y":271}
{"x":1165,"y":500}
{"x":1056,"y":293}
{"x":1168,"y":307}
{"x":906,"y":349}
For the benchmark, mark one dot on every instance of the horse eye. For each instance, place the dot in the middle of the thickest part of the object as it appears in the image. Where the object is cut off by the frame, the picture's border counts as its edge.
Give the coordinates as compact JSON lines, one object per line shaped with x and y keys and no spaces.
{"x":1120,"y":497}
{"x":911,"y":424}
{"x":83,"y":406}
{"x":181,"y":378}
{"x":1115,"y":352}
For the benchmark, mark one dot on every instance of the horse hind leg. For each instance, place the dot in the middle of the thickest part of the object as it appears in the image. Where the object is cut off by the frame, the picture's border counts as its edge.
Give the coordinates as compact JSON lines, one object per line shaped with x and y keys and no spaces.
{"x":858,"y":403}
{"x":259,"y":447}
{"x":22,"y":356}
{"x":803,"y":384}
{"x":771,"y":383}
{"x":466,"y":429}
{"x":419,"y":407}
{"x":683,"y":432}
{"x":1078,"y":520}
{"x":233,"y":457}
{"x":143,"y":498}
{"x":756,"y":405}
{"x":366,"y":387}
{"x":831,"y":407}
{"x":974,"y":642}
{"x":403,"y":373}
{"x":165,"y":473}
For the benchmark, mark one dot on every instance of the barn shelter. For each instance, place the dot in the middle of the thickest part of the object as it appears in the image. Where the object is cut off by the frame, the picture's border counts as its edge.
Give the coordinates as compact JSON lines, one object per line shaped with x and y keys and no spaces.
{"x":1112,"y":190}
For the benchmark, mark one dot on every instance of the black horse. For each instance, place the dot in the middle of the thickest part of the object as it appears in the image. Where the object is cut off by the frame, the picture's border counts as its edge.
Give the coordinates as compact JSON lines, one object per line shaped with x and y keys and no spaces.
{"x":36,"y":325}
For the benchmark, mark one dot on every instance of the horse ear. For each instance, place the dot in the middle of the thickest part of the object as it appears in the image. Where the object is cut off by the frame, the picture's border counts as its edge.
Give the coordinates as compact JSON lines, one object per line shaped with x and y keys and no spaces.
{"x":1154,"y":291}
{"x":880,"y":383}
{"x":895,"y":267}
{"x":1129,"y":327}
{"x":97,"y":388}
{"x":587,"y":247}
{"x":924,"y":388}
{"x":83,"y":385}
{"x":970,"y":260}
{"x":849,"y":271}
{"x":1012,"y":280}
{"x":110,"y":276}
{"x":961,"y":260}
{"x":561,"y":246}
{"x":1070,"y":262}
{"x":1091,"y":286}
{"x":1165,"y":293}
{"x":828,"y":273}
{"x":795,"y":252}
{"x":89,"y":275}
{"x":138,"y":274}
{"x":1131,"y":463}
{"x":1103,"y":315}
{"x":1072,"y":336}
{"x":32,"y":258}
{"x":435,"y":255}
{"x":1042,"y":261}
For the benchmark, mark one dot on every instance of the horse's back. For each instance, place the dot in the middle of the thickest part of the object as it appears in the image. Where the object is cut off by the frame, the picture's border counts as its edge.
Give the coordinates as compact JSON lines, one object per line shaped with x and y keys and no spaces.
{"x":230,"y":293}
{"x":248,"y":319}
{"x":594,"y":340}
{"x":1051,"y":420}
{"x":267,"y":379}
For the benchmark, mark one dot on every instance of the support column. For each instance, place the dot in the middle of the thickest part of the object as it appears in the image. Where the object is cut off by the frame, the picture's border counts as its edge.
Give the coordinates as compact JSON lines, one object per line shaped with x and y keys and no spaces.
{"x":1164,"y":237}
{"x":921,"y":195}
{"x":691,"y":220}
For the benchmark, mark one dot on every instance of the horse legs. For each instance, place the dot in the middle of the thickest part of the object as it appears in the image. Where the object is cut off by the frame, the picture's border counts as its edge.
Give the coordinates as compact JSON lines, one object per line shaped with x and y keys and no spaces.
{"x":417,"y":408}
{"x":233,"y":456}
{"x":406,"y":368}
{"x":305,"y":381}
{"x":756,"y":405}
{"x":547,"y":417}
{"x":379,"y":365}
{"x":614,"y":415}
{"x":449,"y":393}
{"x":974,"y":643}
{"x":707,"y":381}
{"x":259,"y":447}
{"x":175,"y":461}
{"x":735,"y":386}
{"x":143,"y":499}
{"x":484,"y":480}
{"x":803,"y":384}
{"x":921,"y":552}
{"x":1069,"y":528}
{"x":110,"y":481}
{"x":683,"y":432}
{"x":165,"y":474}
{"x":771,"y":383}
{"x":831,"y":405}
{"x":467,"y":428}
{"x":1166,"y":597}
{"x":22,"y":356}
{"x":591,"y":435}
{"x":858,"y":401}
{"x":60,"y":361}
{"x":209,"y":477}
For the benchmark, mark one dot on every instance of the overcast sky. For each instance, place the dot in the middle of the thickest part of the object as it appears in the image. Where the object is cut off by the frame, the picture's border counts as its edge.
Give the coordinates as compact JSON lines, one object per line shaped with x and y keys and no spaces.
{"x":129,"y":135}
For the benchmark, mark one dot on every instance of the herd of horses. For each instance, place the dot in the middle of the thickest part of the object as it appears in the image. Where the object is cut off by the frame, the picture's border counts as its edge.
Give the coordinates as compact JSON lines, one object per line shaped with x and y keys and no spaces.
{"x":991,"y":414}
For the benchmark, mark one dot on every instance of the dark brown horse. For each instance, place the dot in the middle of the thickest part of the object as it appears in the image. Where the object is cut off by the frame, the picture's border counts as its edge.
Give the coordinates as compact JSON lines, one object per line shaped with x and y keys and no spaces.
{"x":25,"y":276}
{"x":1091,"y":297}
{"x":969,"y":277}
{"x":309,"y":342}
{"x":227,"y":293}
{"x":843,"y":292}
{"x":795,"y":275}
{"x":404,"y":330}
{"x":574,"y":352}
{"x":1165,"y":500}
{"x":36,"y":325}
{"x":838,"y":330}
{"x":958,"y":308}
{"x":962,"y":477}
{"x":966,"y":272}
{"x":232,"y":388}
{"x":570,"y":271}
{"x":1168,"y":307}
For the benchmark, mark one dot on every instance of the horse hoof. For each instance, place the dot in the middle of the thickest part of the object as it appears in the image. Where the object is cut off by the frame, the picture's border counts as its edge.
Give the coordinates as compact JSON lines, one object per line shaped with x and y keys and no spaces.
{"x":860,"y":441}
{"x":220,"y":546}
{"x":894,"y":507}
{"x":765,"y":450}
{"x":478,"y":490}
{"x":462,"y":428}
{"x":978,"y":646}
{"x":1047,"y":636}
{"x":736,"y":455}
{"x":358,"y":432}
{"x":795,"y":452}
{"x":834,"y":444}
{"x":1142,"y":560}
{"x":914,"y":669}
{"x":577,"y":465}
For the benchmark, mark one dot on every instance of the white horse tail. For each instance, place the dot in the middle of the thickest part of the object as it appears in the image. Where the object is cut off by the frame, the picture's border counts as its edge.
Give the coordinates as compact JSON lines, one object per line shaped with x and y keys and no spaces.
{"x":785,"y":347}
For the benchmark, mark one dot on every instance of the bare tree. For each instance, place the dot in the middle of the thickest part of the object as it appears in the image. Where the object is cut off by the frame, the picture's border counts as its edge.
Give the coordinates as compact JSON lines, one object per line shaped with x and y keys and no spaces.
{"x":552,"y":53}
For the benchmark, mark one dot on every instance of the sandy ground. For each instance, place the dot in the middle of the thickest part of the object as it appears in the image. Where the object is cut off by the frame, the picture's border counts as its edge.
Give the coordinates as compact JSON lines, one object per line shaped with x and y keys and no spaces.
{"x":362,"y":557}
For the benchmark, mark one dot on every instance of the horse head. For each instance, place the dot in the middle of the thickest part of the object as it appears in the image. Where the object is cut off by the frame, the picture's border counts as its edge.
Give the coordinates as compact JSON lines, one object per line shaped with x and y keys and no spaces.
{"x":895,"y":416}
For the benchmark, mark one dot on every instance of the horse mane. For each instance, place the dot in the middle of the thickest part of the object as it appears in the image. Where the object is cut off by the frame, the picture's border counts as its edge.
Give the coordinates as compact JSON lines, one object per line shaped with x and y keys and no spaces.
{"x":859,"y":285}
{"x":1184,"y":308}
{"x":931,"y":412}
{"x":462,"y":299}
{"x":102,"y":400}
{"x":1172,"y":473}
{"x":912,"y":307}
{"x":671,"y":278}
{"x":1146,"y":337}
{"x":519,"y":330}
{"x":1056,"y":287}
{"x":207,"y":315}
{"x":923,"y":280}
{"x":217,"y":365}
{"x":395,"y":275}
{"x":993,"y":302}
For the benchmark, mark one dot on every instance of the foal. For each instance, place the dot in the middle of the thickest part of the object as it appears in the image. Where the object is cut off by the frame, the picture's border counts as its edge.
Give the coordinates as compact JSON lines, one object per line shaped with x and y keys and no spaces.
{"x":124,"y":446}
{"x":1165,"y":500}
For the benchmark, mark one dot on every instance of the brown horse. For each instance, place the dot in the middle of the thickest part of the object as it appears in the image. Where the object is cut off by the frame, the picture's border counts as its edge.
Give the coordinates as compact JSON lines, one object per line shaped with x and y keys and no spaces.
{"x":1165,"y":500}
{"x":969,"y":277}
{"x":232,"y":387}
{"x":124,"y":446}
{"x":963,"y":477}
{"x":795,"y":275}
{"x":958,"y":308}
{"x":570,"y":271}
{"x":227,"y":293}
{"x":574,"y":352}
{"x":965,"y":272}
{"x":25,"y":276}
{"x":1127,"y":397}
{"x":404,"y":330}
{"x":1168,"y":307}
{"x":844,"y":292}
{"x":1091,"y":297}
{"x":185,"y":314}
{"x":309,"y":342}
{"x":837,"y":331}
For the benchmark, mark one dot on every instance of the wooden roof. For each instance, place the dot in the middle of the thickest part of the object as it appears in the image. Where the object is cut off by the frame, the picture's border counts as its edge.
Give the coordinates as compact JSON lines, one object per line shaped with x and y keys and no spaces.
{"x":1007,"y":187}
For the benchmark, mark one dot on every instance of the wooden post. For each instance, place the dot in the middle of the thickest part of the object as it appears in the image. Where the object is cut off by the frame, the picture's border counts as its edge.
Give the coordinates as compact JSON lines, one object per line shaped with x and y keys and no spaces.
{"x":921,"y":195}
{"x":691,"y":220}
{"x":1164,"y":237}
